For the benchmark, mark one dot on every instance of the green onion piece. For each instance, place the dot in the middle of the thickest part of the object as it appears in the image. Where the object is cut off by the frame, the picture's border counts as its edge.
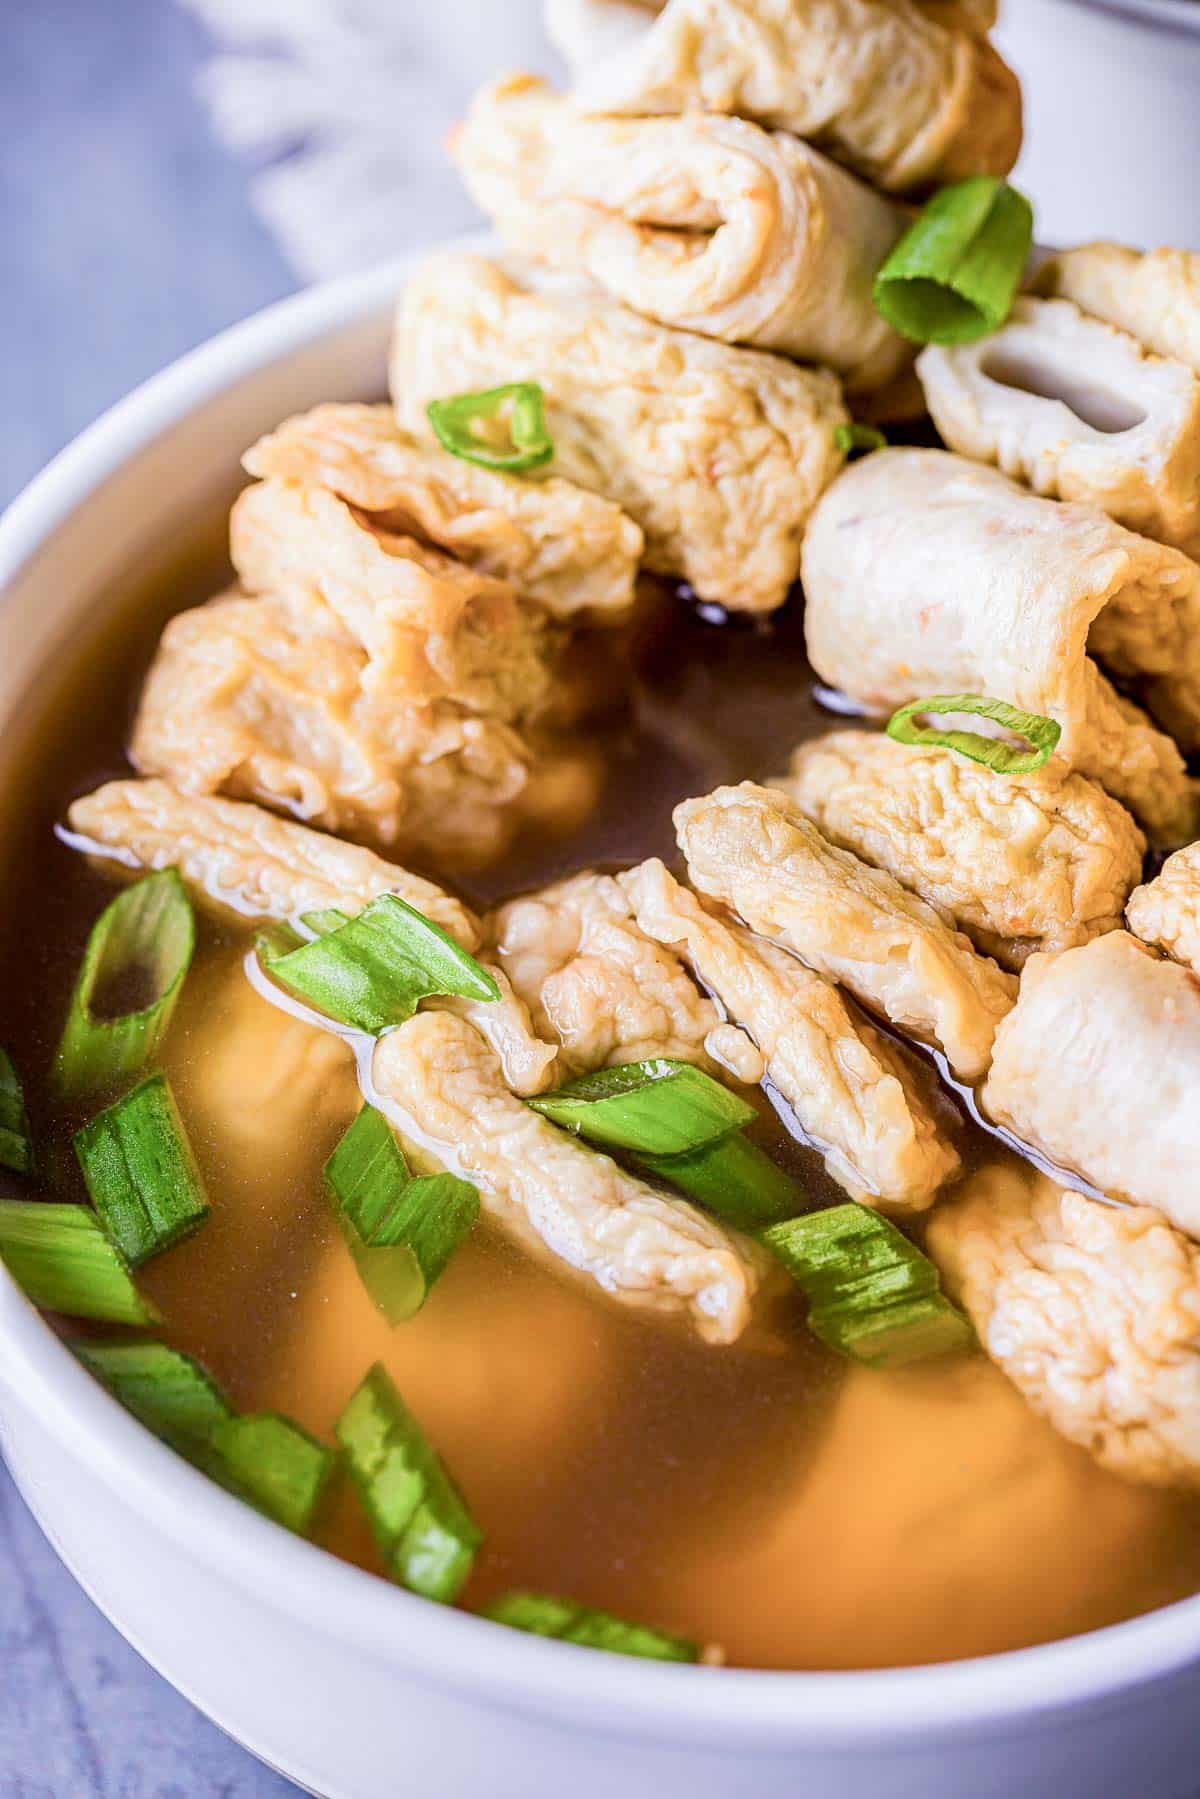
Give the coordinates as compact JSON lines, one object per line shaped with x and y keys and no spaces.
{"x":427,"y":1536}
{"x":854,"y":437}
{"x":734,"y":1179}
{"x":16,"y":1143}
{"x":952,"y":276}
{"x":321,"y":923}
{"x":276,"y":939}
{"x":459,"y":426}
{"x":272,"y":1463}
{"x":373,"y":971}
{"x":872,"y":1294}
{"x":1042,"y":734}
{"x":61,"y":1258}
{"x":264,"y":1459}
{"x":544,"y":1616}
{"x":141,"y":1173}
{"x":658,"y":1107}
{"x":165,"y":1390}
{"x":142,"y":942}
{"x":402,"y":1230}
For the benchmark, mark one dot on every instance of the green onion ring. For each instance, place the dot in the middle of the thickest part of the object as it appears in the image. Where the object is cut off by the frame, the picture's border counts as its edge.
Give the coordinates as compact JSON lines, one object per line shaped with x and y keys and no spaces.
{"x":16,"y":1143}
{"x":854,"y":438}
{"x":1042,"y":734}
{"x":454,"y":419}
{"x":953,"y":276}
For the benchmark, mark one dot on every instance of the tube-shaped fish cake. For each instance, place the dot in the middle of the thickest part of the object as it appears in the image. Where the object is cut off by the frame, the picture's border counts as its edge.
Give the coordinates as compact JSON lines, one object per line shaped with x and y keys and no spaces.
{"x":719,"y":454}
{"x":1093,"y":1312}
{"x":1078,"y":411}
{"x":1023,"y":862}
{"x":851,"y":1091}
{"x":905,"y":94}
{"x":1154,"y":295}
{"x":1166,"y":911}
{"x":928,"y":574}
{"x":753,"y":849}
{"x":1098,"y":1067}
{"x":707,"y":223}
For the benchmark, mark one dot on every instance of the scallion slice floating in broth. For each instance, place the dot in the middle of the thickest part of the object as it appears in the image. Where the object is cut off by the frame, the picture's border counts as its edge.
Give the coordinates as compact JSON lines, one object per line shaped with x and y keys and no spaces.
{"x":953,"y":275}
{"x":374,"y":970}
{"x":421,"y":1523}
{"x":544,"y":1616}
{"x":62,"y":1260}
{"x":872,"y":1294}
{"x":16,"y":1143}
{"x":658,"y":1107}
{"x":263,"y":1458}
{"x":466,"y":425}
{"x":141,"y":1173}
{"x":855,"y":439}
{"x":321,"y":923}
{"x":137,"y":956}
{"x":679,"y":1124}
{"x":402,"y":1229}
{"x":1041,"y":734}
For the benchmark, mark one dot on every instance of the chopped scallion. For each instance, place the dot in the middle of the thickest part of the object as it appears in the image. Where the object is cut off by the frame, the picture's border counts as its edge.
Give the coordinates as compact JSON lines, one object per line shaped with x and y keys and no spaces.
{"x":16,"y":1143}
{"x":137,"y":956}
{"x":733,"y":1179}
{"x":276,"y":939}
{"x":461,"y":425}
{"x":141,"y":1173}
{"x":62,"y":1260}
{"x":263,"y":1458}
{"x":872,"y":1294}
{"x":542,"y":1615}
{"x":658,"y":1107}
{"x":374,"y":970}
{"x":421,"y":1523}
{"x":401,"y":1229}
{"x":1041,"y":734}
{"x":953,"y":275}
{"x":321,"y":923}
{"x":855,"y":439}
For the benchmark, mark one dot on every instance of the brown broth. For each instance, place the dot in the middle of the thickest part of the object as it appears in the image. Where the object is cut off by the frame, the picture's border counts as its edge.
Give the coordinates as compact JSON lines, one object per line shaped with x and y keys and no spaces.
{"x":767,"y":1498}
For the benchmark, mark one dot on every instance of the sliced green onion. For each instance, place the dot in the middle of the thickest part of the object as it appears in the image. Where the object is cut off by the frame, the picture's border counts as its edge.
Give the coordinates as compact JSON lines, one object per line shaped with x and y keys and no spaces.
{"x":374,"y":970}
{"x":16,"y":1143}
{"x":264,"y":1459}
{"x":1042,"y":734}
{"x":401,"y":1229}
{"x":953,"y":275}
{"x":143,"y":941}
{"x":280,"y":1469}
{"x":165,"y":1390}
{"x":734,"y":1179}
{"x":276,"y":939}
{"x":854,"y":437}
{"x":544,"y":1616}
{"x":872,"y":1294}
{"x":658,"y":1107}
{"x":62,"y":1260}
{"x":141,"y":1173}
{"x":328,"y":919}
{"x":423,"y":1528}
{"x":457,"y":426}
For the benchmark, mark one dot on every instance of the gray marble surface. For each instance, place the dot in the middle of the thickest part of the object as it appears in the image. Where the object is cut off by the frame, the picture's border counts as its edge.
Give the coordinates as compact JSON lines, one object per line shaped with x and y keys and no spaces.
{"x":125,"y":238}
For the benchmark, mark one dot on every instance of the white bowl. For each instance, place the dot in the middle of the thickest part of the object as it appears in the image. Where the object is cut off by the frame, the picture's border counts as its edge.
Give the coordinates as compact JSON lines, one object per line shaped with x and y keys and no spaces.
{"x":356,"y":1689}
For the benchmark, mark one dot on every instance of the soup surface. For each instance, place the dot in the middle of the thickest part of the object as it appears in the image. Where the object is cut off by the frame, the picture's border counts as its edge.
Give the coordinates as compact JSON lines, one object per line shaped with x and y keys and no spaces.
{"x":770,"y":1499}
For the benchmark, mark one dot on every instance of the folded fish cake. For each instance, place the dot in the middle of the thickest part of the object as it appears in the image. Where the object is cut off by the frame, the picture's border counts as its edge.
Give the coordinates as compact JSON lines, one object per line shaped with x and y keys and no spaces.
{"x":752,"y":849}
{"x":1098,"y":1067}
{"x":1165,"y":912}
{"x":1078,"y":411}
{"x":706,"y":223}
{"x":907,"y":94}
{"x":849,"y":1088}
{"x":718,"y":453}
{"x":597,"y":984}
{"x":892,"y":617}
{"x":440,"y":1083}
{"x":1020,"y":862}
{"x":1092,"y":1310}
{"x":1154,"y":295}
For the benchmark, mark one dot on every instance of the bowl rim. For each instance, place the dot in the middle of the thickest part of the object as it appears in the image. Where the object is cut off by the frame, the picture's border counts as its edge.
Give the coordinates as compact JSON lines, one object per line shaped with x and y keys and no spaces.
{"x":727,"y":1708}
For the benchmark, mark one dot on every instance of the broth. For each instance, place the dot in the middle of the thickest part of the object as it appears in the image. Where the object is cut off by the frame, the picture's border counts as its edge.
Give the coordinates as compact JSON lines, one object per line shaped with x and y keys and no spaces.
{"x":768,"y":1498}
